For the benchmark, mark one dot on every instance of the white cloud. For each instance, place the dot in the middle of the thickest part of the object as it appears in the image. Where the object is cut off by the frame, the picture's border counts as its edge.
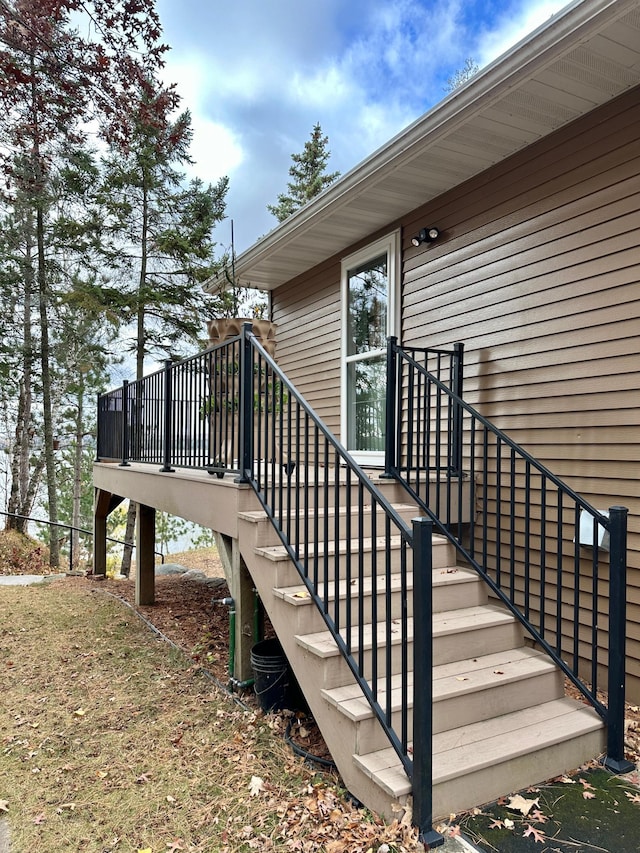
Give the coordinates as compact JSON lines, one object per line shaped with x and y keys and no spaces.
{"x":514,"y":27}
{"x":215,"y":150}
{"x":258,"y":75}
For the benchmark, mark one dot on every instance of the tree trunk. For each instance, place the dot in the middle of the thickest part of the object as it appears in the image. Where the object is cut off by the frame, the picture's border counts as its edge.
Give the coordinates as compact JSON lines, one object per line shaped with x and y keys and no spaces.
{"x":45,"y":352}
{"x":77,"y":474}
{"x":14,"y":505}
{"x":125,"y":567}
{"x":129,"y":533}
{"x":24,"y":480}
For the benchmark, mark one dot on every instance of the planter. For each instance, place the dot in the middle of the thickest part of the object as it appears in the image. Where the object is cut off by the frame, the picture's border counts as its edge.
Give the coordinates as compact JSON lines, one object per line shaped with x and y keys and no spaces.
{"x":224,"y":328}
{"x":224,"y":385}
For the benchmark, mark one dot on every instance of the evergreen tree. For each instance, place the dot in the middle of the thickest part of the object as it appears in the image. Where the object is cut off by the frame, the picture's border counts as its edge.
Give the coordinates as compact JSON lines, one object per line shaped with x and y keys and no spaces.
{"x":161,"y":230}
{"x":53,"y":82}
{"x":459,"y":77}
{"x":308,"y":174}
{"x":162,"y":233}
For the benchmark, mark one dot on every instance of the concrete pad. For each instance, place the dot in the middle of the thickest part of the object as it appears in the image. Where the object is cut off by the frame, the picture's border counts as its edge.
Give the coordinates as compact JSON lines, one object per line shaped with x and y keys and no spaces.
{"x":169,"y":569}
{"x":25,"y":580}
{"x":4,"y":836}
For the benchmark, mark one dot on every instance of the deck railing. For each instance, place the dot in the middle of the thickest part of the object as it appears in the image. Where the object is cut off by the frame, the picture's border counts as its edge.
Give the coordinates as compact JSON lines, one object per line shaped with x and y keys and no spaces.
{"x":231,"y":409}
{"x":558,"y":563}
{"x":184,"y":415}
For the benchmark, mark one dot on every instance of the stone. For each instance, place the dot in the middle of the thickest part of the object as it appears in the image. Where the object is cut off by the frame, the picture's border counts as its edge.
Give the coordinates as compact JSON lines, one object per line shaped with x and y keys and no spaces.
{"x":170,"y":569}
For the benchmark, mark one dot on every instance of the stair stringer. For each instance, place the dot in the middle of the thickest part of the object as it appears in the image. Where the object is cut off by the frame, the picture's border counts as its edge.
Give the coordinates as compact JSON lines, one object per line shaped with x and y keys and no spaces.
{"x":338,"y":736}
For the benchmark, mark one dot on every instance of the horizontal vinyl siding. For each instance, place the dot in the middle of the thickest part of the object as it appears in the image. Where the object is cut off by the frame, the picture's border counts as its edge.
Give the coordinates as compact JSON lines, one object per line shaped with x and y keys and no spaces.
{"x":307,"y":313}
{"x":537,"y":272}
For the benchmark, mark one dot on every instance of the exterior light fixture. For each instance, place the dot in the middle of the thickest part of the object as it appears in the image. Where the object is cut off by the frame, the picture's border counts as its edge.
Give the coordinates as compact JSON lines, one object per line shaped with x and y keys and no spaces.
{"x":425,"y":235}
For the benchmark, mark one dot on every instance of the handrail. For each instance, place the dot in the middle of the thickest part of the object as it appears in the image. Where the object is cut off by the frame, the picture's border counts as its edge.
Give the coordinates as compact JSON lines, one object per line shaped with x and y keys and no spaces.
{"x":330,"y":518}
{"x":71,"y":528}
{"x":528,"y":534}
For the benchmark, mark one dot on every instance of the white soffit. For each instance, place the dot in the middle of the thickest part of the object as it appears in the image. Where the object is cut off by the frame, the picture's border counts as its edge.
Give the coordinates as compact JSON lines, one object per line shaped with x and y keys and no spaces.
{"x":581,"y":58}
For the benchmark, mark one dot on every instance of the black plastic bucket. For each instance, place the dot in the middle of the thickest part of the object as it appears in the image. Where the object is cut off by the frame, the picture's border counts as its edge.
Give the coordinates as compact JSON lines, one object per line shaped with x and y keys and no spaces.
{"x":271,"y":675}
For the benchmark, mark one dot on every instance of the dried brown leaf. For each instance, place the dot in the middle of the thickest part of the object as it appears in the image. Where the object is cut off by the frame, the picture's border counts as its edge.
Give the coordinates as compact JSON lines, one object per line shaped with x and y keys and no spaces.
{"x":519,"y":804}
{"x":532,"y":831}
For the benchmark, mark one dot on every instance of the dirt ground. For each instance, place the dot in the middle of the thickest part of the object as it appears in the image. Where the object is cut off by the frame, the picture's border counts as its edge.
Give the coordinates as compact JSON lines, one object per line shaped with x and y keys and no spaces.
{"x":189,"y":613}
{"x":185,"y":609}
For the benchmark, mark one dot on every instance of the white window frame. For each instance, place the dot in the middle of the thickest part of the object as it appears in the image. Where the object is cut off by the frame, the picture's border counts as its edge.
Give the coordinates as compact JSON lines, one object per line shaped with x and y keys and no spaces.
{"x":390,"y":244}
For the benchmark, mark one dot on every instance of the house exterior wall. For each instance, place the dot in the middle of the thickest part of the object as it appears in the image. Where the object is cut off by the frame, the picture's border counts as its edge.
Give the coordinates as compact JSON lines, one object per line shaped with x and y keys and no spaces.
{"x":537,"y":271}
{"x":307,"y":313}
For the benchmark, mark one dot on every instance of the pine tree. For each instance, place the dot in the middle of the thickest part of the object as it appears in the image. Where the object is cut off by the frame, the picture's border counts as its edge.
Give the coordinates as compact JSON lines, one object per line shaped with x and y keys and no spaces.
{"x":459,"y":77}
{"x":161,"y":229}
{"x":308,"y":175}
{"x":162,"y":233}
{"x":53,"y":82}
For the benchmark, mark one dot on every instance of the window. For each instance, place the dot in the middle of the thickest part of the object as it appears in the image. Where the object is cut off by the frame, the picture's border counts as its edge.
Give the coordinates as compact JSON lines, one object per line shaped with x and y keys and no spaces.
{"x":369,"y":308}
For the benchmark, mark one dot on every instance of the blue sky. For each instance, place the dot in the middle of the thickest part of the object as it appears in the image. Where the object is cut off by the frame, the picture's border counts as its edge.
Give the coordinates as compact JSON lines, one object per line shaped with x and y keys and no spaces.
{"x":258,"y":74}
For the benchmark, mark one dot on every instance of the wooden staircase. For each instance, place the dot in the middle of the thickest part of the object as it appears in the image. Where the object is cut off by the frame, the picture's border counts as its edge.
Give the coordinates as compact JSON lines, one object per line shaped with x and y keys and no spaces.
{"x":501,"y":720}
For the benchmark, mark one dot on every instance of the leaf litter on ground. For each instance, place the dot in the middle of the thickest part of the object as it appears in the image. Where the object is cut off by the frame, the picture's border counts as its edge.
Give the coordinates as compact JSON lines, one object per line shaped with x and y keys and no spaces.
{"x":160,"y":759}
{"x":558,"y":817}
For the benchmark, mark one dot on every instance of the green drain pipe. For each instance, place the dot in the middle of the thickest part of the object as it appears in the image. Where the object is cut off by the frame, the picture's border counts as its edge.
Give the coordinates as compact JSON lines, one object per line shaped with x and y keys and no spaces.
{"x":234,"y":683}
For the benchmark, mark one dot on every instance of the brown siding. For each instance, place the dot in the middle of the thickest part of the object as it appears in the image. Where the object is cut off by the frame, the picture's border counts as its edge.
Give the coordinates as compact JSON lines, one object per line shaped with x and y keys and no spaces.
{"x":537,"y":272}
{"x":307,"y":312}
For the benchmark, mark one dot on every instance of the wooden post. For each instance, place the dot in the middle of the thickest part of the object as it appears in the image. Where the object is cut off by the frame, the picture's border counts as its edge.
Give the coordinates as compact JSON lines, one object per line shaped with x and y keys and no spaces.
{"x":100,"y":512}
{"x":103,"y":504}
{"x":241,"y":589}
{"x":145,"y":556}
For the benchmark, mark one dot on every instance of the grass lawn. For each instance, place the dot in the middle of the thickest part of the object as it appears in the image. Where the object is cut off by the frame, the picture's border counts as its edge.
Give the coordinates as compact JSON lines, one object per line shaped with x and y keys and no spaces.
{"x":111,"y":741}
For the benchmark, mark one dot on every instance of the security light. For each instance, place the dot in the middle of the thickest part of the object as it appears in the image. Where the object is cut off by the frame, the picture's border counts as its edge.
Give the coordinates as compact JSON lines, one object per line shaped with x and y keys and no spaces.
{"x":425,"y":235}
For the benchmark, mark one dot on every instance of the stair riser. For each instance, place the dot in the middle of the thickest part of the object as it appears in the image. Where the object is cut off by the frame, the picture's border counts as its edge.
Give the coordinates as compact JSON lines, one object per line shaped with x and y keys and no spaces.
{"x":291,"y":494}
{"x":306,"y":531}
{"x":468,"y":708}
{"x":334,"y":671}
{"x":485,"y":641}
{"x":286,"y":574}
{"x":306,"y":618}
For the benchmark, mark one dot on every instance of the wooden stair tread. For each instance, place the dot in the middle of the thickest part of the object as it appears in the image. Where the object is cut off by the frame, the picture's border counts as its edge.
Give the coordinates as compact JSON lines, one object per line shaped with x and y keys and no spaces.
{"x":298,"y":595}
{"x":279,"y":552}
{"x":452,"y":679}
{"x":257,"y":516}
{"x":461,"y":752}
{"x":444,"y":624}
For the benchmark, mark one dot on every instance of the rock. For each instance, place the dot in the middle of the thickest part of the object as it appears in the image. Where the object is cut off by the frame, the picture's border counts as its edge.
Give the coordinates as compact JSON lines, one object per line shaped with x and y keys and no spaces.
{"x":214,"y":583}
{"x":170,"y":569}
{"x":193,"y":575}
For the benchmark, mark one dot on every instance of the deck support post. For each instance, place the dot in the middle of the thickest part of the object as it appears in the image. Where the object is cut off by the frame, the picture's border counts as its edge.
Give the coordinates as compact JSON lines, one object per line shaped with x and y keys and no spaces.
{"x":241,"y":588}
{"x":145,"y":555}
{"x":103,"y":503}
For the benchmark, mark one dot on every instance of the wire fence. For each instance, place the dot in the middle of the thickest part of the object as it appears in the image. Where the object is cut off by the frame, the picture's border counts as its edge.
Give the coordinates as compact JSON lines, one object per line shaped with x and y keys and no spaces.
{"x":76,"y":555}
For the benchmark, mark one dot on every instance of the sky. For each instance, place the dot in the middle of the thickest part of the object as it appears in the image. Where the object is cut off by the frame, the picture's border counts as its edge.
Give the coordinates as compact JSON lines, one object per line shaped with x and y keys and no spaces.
{"x":258,"y":74}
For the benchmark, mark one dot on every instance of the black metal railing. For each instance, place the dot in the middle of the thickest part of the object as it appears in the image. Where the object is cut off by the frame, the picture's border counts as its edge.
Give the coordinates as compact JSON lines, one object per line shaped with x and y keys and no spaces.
{"x":184,"y":415}
{"x":73,"y":553}
{"x":351,"y":550}
{"x":231,"y":409}
{"x":537,"y":544}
